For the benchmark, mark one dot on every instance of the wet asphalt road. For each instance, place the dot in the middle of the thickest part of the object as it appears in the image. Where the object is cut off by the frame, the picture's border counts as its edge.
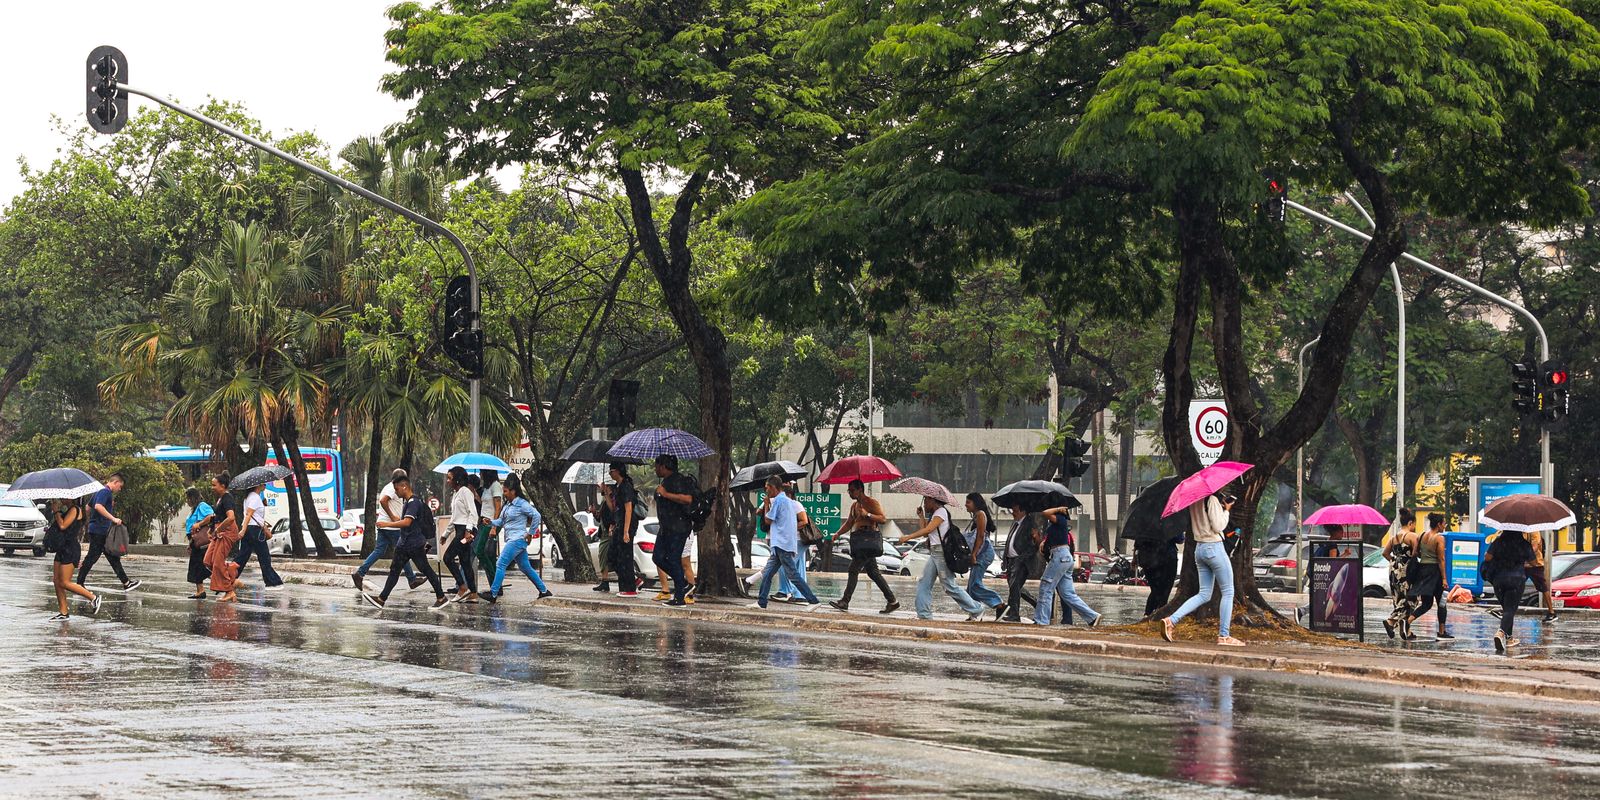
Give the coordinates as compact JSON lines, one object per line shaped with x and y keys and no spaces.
{"x":307,"y":694}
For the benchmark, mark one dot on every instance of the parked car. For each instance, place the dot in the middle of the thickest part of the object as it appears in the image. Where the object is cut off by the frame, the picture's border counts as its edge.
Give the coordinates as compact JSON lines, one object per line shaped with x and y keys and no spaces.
{"x":1280,"y":573}
{"x":1375,"y":575}
{"x":342,"y":541}
{"x":351,"y":521}
{"x":21,"y":525}
{"x":1278,"y":548}
{"x":1578,"y":589}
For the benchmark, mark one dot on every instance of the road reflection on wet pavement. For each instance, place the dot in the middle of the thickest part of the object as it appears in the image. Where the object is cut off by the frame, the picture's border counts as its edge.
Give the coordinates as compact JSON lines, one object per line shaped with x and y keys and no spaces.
{"x":306,"y":693}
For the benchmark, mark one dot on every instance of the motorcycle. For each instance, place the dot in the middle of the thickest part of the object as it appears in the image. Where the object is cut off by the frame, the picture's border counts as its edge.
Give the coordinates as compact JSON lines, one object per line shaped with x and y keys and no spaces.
{"x":1122,"y":571}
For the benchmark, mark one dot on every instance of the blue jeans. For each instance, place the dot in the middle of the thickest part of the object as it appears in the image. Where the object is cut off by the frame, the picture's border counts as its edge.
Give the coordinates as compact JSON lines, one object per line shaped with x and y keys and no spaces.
{"x":800,"y":558}
{"x":1057,"y":582}
{"x":980,"y":566}
{"x":787,"y":562}
{"x":937,"y":570}
{"x":1211,"y":558}
{"x":386,"y":540}
{"x":254,"y":542}
{"x":515,"y":552}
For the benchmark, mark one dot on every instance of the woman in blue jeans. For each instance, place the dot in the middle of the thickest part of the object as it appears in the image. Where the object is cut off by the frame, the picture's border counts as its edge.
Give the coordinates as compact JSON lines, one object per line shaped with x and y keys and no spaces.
{"x":980,"y":540}
{"x":1207,"y":520}
{"x":517,"y":524}
{"x":937,"y":571}
{"x":1058,"y":565}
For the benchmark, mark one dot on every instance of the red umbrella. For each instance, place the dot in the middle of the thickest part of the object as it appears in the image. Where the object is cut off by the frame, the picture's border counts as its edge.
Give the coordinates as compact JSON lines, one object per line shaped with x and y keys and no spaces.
{"x":866,"y":469}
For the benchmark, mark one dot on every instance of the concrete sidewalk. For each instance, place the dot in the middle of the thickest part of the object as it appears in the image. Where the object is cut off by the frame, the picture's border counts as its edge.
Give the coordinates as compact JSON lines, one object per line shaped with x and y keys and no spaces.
{"x":1548,"y":679}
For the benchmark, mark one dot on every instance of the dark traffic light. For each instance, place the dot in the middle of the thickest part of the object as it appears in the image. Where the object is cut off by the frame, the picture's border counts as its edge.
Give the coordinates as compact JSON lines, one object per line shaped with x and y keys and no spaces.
{"x":1525,"y":388}
{"x":1554,"y":402}
{"x":1074,"y":464}
{"x":622,"y":405}
{"x":1276,"y":208}
{"x":107,"y":105}
{"x":462,"y":342}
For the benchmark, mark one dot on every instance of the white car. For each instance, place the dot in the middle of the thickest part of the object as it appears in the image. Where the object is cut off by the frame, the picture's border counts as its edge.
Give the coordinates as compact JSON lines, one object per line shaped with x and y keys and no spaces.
{"x":351,"y":521}
{"x":21,"y":525}
{"x":343,"y":541}
{"x":1375,"y":575}
{"x":916,"y":560}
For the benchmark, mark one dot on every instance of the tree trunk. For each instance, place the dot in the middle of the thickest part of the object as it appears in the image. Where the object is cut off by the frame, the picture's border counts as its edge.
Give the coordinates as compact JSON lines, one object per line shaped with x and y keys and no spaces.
{"x":297,"y":544}
{"x":308,"y":504}
{"x":1124,"y":472}
{"x":369,"y":503}
{"x":21,"y":364}
{"x":1368,"y":460}
{"x":543,"y":485}
{"x":1102,"y":535}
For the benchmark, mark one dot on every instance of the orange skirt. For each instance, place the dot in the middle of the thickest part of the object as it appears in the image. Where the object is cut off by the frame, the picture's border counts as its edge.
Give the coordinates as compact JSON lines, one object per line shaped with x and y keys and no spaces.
{"x":223,"y":571}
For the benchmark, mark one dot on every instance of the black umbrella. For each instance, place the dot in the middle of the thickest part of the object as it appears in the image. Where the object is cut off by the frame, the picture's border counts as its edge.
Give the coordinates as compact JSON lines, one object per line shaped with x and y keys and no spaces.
{"x":1035,"y":496}
{"x":753,"y":476}
{"x":596,"y":451}
{"x":62,"y":483}
{"x":259,"y":476}
{"x":1144,"y":521}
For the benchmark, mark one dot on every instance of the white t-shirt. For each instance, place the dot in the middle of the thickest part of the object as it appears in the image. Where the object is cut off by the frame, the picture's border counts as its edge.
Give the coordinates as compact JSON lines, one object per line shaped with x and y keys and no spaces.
{"x":489,"y":496}
{"x":936,"y":538}
{"x":464,"y":508}
{"x":389,"y":493}
{"x":255,"y":510}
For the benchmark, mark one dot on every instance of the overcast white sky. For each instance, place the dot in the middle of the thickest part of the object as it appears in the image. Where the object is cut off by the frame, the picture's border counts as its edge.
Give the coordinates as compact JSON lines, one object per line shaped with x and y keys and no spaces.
{"x":295,"y":65}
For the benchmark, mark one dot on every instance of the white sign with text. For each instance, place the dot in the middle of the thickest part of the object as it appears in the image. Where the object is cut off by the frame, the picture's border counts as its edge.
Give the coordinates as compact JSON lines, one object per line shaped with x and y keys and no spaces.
{"x":1208,"y":429}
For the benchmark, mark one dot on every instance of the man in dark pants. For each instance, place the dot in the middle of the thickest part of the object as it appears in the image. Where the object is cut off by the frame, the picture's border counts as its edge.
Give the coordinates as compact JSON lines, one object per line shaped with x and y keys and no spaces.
{"x":1020,"y":562}
{"x":1159,"y":560}
{"x":673,"y":497}
{"x":101,"y":517}
{"x":416,"y":528}
{"x":624,"y":499}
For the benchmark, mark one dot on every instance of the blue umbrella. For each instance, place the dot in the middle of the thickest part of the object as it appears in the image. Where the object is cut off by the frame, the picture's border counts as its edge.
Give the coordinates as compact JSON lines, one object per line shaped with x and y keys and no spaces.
{"x":473,"y":462}
{"x":652,"y":442}
{"x":64,"y":483}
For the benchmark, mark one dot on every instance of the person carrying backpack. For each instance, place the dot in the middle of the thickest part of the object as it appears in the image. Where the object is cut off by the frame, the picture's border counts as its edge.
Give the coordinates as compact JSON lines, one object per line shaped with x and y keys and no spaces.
{"x":1503,"y":568}
{"x":937,"y":570}
{"x":416,"y":528}
{"x":674,"y":497}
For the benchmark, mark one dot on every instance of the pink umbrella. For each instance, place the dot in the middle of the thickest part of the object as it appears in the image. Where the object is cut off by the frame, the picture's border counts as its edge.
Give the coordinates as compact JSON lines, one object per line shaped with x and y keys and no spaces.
{"x":866,"y":469}
{"x":1203,"y":484}
{"x":924,"y":487}
{"x":1353,"y":514}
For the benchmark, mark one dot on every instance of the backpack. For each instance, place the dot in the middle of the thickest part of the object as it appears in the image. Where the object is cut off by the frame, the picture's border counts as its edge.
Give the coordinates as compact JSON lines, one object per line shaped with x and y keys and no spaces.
{"x":957,"y":554}
{"x":698,"y":511}
{"x":1503,"y":564}
{"x":117,"y":541}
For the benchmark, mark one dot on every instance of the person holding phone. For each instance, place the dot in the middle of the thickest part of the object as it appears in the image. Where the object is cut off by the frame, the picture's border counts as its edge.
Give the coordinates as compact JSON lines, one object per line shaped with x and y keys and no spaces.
{"x":1207,"y":521}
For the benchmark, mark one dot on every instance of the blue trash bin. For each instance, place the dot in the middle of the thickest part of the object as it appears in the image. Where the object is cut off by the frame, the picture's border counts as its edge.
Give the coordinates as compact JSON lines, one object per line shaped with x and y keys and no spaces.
{"x":1463,"y":552}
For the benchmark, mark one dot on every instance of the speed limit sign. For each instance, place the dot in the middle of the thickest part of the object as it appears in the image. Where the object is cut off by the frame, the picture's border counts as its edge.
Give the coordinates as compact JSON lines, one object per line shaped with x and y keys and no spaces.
{"x":1208,"y":429}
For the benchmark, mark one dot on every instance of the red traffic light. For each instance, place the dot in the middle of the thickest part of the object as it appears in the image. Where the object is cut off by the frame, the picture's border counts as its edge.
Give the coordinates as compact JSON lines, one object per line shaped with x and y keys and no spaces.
{"x":1558,"y":378}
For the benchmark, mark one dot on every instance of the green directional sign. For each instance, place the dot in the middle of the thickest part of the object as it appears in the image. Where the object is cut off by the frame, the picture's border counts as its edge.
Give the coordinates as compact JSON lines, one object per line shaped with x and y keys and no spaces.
{"x":826,"y":509}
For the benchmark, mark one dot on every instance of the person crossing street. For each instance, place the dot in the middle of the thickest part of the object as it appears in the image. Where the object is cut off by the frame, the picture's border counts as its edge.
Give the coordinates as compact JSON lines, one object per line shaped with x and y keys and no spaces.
{"x":517,"y":525}
{"x":102,"y":515}
{"x":416,"y":528}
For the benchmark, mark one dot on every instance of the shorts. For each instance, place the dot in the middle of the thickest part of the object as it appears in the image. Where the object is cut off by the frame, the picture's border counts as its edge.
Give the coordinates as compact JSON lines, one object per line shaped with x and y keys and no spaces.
{"x":688,"y":547}
{"x":70,"y":552}
{"x":1536,"y":574}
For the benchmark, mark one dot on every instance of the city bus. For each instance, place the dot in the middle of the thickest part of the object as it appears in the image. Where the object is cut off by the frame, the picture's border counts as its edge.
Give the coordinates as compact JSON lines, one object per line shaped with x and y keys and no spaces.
{"x":324,"y":471}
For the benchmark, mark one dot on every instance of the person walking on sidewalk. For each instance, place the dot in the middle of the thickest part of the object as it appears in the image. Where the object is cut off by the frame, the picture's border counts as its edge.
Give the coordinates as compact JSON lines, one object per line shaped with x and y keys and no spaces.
{"x":517,"y":524}
{"x":673,"y":497}
{"x":936,"y":527}
{"x":1400,"y":547}
{"x":416,"y":528}
{"x":66,"y":526}
{"x":224,"y":524}
{"x":199,"y":510}
{"x":1535,"y":572}
{"x":389,"y":507}
{"x":1060,"y":560}
{"x":866,"y":544}
{"x":102,"y":516}
{"x":786,"y":591}
{"x":1504,"y":568}
{"x":255,"y":540}
{"x":1207,"y":520}
{"x":1021,"y":561}
{"x":623,"y":501}
{"x":490,"y":500}
{"x":1427,"y":584}
{"x":463,"y":529}
{"x":786,"y":515}
{"x":980,"y":542}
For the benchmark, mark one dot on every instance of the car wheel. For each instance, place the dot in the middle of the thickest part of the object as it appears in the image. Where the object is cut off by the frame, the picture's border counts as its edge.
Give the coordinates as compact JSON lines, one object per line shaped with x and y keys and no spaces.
{"x":1374,"y":591}
{"x":38,"y":551}
{"x":9,"y":551}
{"x":905,"y":571}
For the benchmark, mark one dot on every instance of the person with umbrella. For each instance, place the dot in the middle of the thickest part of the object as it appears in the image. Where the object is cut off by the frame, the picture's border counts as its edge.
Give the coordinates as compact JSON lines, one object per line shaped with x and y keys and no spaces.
{"x":673,"y":497}
{"x":1208,"y":518}
{"x":937,"y":525}
{"x":866,"y":544}
{"x":1060,"y":560}
{"x":255,"y":541}
{"x":416,"y":528}
{"x":66,"y":523}
{"x":1021,"y":559}
{"x":101,"y":518}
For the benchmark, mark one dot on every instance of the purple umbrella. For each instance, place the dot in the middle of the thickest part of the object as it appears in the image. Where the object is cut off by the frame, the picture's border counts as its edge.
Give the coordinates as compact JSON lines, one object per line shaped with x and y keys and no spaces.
{"x":1353,"y":514}
{"x":1203,"y":484}
{"x":648,"y":443}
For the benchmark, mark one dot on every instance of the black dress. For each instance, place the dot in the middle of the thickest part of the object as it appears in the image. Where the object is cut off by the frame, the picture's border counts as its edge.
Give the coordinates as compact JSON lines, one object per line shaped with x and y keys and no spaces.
{"x":70,"y":550}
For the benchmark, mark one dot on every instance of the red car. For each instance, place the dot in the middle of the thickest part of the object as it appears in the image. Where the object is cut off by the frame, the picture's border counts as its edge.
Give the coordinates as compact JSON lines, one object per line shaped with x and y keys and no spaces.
{"x":1577,"y":591}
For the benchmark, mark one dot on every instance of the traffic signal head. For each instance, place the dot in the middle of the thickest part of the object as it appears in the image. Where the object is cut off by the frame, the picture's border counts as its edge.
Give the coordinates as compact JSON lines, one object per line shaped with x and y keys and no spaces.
{"x":1073,"y":462}
{"x":1276,"y":207}
{"x":461,"y":339}
{"x":1525,"y":380}
{"x":107,"y":104}
{"x":1554,"y":400}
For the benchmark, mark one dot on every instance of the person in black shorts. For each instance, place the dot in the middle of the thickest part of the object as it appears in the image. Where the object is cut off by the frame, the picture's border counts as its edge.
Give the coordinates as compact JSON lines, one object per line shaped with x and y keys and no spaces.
{"x":66,"y":523}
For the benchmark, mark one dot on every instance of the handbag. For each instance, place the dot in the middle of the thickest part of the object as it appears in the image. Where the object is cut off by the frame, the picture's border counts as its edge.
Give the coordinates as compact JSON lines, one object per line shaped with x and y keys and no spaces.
{"x":200,"y":537}
{"x":866,"y":542}
{"x":810,"y":535}
{"x":117,"y":541}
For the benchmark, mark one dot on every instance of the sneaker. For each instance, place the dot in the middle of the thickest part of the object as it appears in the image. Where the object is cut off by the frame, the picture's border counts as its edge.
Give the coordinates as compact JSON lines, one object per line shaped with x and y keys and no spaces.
{"x":1444,"y":636}
{"x":1499,"y":641}
{"x":627,"y":595}
{"x":417,"y":583}
{"x":810,"y":604}
{"x":975,"y":616}
{"x":356,"y":578}
{"x":663,"y":596}
{"x":131,"y":585}
{"x":677,"y":602}
{"x":839,"y":606}
{"x":439,"y":603}
{"x":489,"y":597}
{"x":94,"y":605}
{"x":1496,"y":613}
{"x":59,"y":617}
{"x":1017,"y":618}
{"x":1550,"y":616}
{"x":762,"y":606}
{"x":1388,"y":627}
{"x":1229,"y":641}
{"x":688,"y":599}
{"x":1167,"y":629}
{"x":782,"y":597}
{"x":1405,"y":630}
{"x":277,"y":587}
{"x":690,"y":590}
{"x":1096,"y":620}
{"x":546,"y":593}
{"x":603,"y":586}
{"x":373,"y":600}
{"x":1000,"y":611}
{"x":893,"y":606}
{"x":1510,"y":643}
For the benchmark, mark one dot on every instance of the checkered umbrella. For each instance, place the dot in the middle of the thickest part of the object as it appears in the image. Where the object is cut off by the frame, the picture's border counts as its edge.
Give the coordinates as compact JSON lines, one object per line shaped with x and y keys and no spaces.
{"x":924,"y":487}
{"x":652,"y":442}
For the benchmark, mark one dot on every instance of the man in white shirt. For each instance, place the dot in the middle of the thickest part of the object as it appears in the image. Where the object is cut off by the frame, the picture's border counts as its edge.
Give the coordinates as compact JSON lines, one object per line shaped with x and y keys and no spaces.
{"x":390,"y":507}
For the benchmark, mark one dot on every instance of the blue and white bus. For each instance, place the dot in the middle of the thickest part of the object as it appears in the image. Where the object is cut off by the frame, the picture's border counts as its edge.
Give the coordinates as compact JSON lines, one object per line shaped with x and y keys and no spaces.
{"x":324,"y":471}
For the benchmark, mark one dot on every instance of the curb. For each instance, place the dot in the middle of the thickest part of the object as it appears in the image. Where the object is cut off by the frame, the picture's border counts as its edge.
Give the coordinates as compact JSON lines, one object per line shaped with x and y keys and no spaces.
{"x":1553,"y":681}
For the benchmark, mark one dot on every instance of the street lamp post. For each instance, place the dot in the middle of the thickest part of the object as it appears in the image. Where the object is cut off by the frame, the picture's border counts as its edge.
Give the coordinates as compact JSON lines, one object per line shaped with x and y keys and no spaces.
{"x":1300,"y":482}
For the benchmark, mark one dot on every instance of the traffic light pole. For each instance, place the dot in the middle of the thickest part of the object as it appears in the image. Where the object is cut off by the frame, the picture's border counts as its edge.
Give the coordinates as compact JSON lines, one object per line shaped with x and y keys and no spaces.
{"x":1400,"y":375}
{"x":426,"y":223}
{"x":1547,"y":476}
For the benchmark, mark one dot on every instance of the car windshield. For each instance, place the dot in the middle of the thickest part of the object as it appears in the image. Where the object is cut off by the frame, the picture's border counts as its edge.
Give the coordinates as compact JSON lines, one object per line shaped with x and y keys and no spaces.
{"x":1275,"y":549}
{"x":1374,"y":558}
{"x":17,"y":502}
